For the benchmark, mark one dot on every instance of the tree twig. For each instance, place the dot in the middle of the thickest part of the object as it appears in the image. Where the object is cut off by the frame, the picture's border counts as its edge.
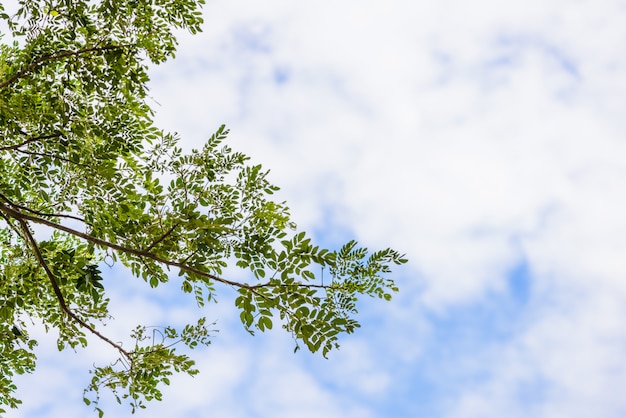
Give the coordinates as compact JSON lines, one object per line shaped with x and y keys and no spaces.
{"x":55,"y":57}
{"x":41,"y":154}
{"x":13,"y":213}
{"x":162,"y":237}
{"x":59,"y":295}
{"x":146,"y":254}
{"x":28,"y":141}
{"x":39,"y":213}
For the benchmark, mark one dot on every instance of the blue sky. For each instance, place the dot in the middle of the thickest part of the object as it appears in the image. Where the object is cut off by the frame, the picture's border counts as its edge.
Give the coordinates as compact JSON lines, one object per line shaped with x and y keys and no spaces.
{"x":485,"y":139}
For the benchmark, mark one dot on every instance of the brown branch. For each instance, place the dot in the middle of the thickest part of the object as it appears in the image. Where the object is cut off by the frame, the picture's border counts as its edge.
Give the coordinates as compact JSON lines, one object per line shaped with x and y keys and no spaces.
{"x":145,"y":254}
{"x":255,"y":289}
{"x":28,"y":141}
{"x":103,"y":243}
{"x":308,"y":285}
{"x":47,"y":58}
{"x":59,"y":295}
{"x":36,"y":212}
{"x":162,"y":237}
{"x":194,"y":252}
{"x":41,"y":154}
{"x":10,"y":224}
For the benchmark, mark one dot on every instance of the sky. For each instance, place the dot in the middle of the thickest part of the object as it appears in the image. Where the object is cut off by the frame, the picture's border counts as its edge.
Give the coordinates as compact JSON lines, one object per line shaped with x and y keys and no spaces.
{"x":484,"y":139}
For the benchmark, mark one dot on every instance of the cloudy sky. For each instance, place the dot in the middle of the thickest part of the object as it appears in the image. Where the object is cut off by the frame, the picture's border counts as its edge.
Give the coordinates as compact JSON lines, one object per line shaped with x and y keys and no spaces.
{"x":484,"y":139}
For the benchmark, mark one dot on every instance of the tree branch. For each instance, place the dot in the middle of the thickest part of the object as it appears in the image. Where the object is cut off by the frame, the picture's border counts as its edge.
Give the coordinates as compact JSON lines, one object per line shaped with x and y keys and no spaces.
{"x":162,"y":237}
{"x":13,"y":213}
{"x":55,"y":57}
{"x":307,"y":285}
{"x":28,"y":141}
{"x":36,"y":212}
{"x":10,"y":224}
{"x":33,"y":244}
{"x":41,"y":154}
{"x":146,"y":254}
{"x":22,"y":218}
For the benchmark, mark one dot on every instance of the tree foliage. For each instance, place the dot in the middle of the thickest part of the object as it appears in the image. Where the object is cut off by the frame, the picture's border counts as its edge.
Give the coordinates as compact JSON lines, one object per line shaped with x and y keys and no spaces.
{"x":86,"y":178}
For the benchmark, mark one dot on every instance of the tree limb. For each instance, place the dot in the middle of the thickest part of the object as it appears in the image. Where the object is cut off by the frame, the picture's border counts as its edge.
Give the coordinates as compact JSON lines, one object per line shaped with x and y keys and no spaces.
{"x":13,"y":213}
{"x":35,"y":247}
{"x":41,"y":154}
{"x":143,"y":253}
{"x":39,"y":213}
{"x":28,"y":141}
{"x":162,"y":237}
{"x":55,"y":57}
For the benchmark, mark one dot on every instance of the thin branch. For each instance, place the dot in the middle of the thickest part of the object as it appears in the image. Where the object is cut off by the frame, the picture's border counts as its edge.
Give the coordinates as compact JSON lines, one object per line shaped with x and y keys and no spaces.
{"x":10,"y":224}
{"x":145,"y":254}
{"x":194,"y":252}
{"x":308,"y":285}
{"x":255,"y":289}
{"x":33,"y":244}
{"x":41,"y":154}
{"x":47,"y":58}
{"x":28,"y":141}
{"x":103,"y":243}
{"x":162,"y":237}
{"x":36,"y":212}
